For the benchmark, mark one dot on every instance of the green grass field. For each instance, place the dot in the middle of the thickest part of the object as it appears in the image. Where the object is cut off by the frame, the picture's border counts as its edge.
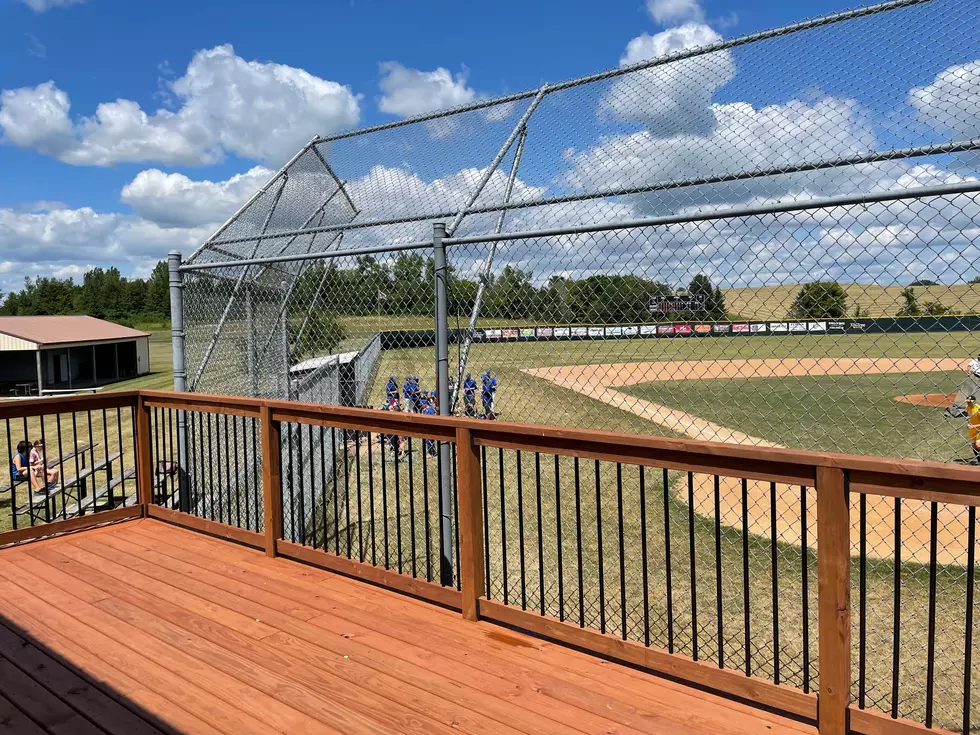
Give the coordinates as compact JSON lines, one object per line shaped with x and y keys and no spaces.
{"x":855,"y":414}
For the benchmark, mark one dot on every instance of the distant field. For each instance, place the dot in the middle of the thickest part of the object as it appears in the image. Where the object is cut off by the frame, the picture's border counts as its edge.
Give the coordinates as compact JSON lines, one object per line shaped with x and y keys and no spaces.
{"x":774,"y":302}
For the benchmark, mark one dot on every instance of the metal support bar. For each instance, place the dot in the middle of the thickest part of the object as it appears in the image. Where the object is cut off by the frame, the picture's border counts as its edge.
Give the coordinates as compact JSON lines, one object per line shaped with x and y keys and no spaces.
{"x":180,"y":375}
{"x":495,"y":163}
{"x":281,"y":173}
{"x":442,"y":393}
{"x":896,"y":154}
{"x":640,"y":65}
{"x":485,"y":274}
{"x":238,"y":287}
{"x":918,"y":192}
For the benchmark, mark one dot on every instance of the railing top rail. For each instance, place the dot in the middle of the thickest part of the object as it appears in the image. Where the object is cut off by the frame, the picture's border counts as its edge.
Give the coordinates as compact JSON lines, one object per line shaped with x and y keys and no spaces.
{"x":902,"y":476}
{"x":30,"y":407}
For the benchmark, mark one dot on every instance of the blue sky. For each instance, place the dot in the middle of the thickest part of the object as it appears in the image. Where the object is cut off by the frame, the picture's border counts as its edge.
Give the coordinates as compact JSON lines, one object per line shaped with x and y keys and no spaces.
{"x":73,"y":197}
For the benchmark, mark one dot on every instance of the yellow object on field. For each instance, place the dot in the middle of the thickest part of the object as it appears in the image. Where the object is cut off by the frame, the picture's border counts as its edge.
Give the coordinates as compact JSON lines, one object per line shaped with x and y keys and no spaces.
{"x":973,"y":411}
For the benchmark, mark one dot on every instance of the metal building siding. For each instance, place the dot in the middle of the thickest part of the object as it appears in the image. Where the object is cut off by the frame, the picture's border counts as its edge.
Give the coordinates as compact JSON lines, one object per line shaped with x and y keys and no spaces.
{"x":14,"y":344}
{"x":142,"y":355}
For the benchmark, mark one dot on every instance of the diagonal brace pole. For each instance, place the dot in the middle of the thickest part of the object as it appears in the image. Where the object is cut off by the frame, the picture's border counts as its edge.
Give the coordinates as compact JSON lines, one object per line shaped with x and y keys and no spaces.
{"x":238,"y":287}
{"x":485,"y":274}
{"x":521,"y":125}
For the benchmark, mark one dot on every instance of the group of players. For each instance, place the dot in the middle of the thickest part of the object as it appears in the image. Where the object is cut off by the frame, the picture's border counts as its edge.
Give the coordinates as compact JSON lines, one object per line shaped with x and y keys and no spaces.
{"x":425,"y":402}
{"x":422,"y":401}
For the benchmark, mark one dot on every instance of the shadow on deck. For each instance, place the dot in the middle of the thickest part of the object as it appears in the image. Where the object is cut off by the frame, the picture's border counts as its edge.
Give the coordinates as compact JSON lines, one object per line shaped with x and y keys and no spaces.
{"x":144,"y":627}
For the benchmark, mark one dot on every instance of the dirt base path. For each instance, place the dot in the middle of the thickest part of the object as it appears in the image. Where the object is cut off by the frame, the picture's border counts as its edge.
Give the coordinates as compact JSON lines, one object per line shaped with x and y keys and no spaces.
{"x":600,"y":382}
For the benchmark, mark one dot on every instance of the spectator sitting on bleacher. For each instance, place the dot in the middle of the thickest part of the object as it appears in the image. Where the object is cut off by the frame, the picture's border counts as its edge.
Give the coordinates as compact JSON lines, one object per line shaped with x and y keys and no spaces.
{"x":19,"y":466}
{"x":38,"y":468}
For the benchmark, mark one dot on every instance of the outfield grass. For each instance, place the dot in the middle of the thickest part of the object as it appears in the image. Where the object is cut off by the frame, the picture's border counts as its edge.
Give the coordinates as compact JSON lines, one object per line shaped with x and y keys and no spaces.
{"x":844,"y":413}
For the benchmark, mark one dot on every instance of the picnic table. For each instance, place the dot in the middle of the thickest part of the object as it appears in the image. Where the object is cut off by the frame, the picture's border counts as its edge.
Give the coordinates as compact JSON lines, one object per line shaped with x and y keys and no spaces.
{"x":24,"y":389}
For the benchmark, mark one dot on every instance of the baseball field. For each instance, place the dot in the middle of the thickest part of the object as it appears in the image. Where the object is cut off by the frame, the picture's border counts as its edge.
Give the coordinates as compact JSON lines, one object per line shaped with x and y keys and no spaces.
{"x":835,"y":393}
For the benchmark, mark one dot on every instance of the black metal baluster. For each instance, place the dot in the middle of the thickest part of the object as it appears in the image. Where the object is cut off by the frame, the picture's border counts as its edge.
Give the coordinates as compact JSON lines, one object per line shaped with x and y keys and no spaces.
{"x":643,"y":552}
{"x":455,"y":503}
{"x":313,"y":514}
{"x":578,"y":540}
{"x":370,"y":456}
{"x":192,"y":424}
{"x":931,"y":640}
{"x":122,"y":458}
{"x":558,"y":540}
{"x":323,"y":489}
{"x":289,"y":483}
{"x":77,"y":453}
{"x":537,"y":494}
{"x":396,"y":451}
{"x":669,"y":575}
{"x":105,"y":441}
{"x":227,"y":482}
{"x":345,"y":437}
{"x":442,"y":509}
{"x":503,"y":525}
{"x":411,"y":505}
{"x":336,"y":491}
{"x":719,"y":612}
{"x":299,"y":519}
{"x":745,"y":577}
{"x":775,"y":582}
{"x":44,"y":477}
{"x":599,"y":549}
{"x":520,"y":529}
{"x":360,"y":508}
{"x":259,"y":515}
{"x":486,"y":519}
{"x":210,"y":465}
{"x":61,"y":468}
{"x":862,"y":600}
{"x":13,"y":485}
{"x":897,"y":622}
{"x":238,"y":487}
{"x":971,"y":560}
{"x":694,"y":576}
{"x":622,"y":549}
{"x":384,"y":499}
{"x":425,"y":511}
{"x":806,"y":592}
{"x":170,"y":455}
{"x":159,"y":444}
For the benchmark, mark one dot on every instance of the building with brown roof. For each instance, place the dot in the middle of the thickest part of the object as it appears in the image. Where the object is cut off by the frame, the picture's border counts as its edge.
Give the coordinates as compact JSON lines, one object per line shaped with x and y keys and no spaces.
{"x":44,"y":354}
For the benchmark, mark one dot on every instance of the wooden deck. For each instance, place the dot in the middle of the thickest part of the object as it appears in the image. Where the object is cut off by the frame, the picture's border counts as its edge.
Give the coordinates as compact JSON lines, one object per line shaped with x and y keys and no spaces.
{"x":144,"y":627}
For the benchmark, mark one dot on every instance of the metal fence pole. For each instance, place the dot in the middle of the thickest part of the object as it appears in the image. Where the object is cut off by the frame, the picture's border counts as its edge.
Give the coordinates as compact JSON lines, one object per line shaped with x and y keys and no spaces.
{"x":180,"y":372}
{"x":442,"y":392}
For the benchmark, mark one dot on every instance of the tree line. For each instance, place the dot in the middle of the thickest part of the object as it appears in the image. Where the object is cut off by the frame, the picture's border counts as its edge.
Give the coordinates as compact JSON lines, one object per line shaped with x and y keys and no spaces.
{"x":406,"y":286}
{"x":103,"y":293}
{"x":828,"y":300}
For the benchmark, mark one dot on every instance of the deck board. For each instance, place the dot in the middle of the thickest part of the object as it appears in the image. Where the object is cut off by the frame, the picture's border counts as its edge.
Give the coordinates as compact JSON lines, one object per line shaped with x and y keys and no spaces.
{"x":145,"y":627}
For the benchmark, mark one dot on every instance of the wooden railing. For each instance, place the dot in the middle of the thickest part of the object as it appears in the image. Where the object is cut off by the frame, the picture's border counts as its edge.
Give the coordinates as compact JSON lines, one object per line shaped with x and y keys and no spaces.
{"x":568,"y":533}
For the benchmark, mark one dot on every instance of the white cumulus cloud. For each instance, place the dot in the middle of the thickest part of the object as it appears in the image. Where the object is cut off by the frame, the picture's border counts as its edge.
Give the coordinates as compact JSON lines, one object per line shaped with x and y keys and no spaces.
{"x":176,"y":200}
{"x":952,"y":101}
{"x":667,"y":12}
{"x":255,"y":110}
{"x":674,"y":98}
{"x":408,"y":92}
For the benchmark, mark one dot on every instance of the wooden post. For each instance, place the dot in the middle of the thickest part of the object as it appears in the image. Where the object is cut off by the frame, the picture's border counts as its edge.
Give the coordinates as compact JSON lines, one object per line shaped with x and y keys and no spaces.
{"x":470,"y":499}
{"x":834,"y":600}
{"x":144,"y":460}
{"x":271,"y":478}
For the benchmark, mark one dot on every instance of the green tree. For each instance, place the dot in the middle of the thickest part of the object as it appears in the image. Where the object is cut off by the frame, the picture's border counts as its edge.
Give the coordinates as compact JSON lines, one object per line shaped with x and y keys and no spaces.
{"x":911,"y":306}
{"x":820,"y":300}
{"x":157,"y":300}
{"x":936,"y":308}
{"x":713,"y":298}
{"x":321,"y":336}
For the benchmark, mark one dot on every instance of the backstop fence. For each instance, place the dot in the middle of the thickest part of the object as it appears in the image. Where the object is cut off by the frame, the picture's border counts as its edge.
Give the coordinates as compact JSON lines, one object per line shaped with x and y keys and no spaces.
{"x":777,"y":185}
